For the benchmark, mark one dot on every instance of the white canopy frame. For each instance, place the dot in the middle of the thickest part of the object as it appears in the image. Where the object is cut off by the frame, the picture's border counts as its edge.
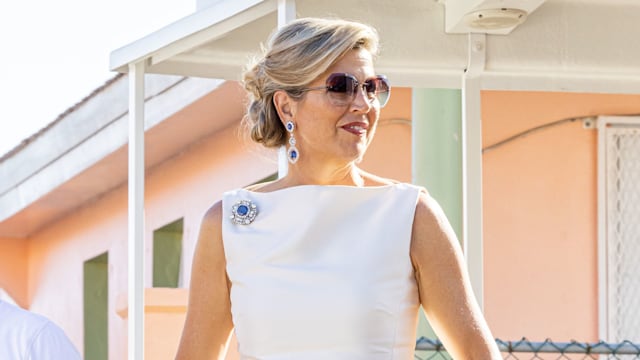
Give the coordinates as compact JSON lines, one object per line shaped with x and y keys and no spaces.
{"x":136,"y":212}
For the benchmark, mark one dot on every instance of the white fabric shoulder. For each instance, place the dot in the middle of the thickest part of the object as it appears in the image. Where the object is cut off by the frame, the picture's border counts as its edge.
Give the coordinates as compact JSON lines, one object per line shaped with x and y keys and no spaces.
{"x":322,"y":272}
{"x":29,"y":336}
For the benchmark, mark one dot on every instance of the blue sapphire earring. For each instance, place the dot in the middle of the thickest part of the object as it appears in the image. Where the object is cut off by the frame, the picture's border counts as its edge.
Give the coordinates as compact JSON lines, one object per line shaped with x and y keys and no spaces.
{"x":292,"y":154}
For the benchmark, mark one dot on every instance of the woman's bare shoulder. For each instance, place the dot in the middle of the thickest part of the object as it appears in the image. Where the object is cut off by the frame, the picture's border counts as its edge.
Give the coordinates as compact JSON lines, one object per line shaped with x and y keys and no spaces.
{"x":375,"y":180}
{"x":428,"y":206}
{"x":214,"y":210}
{"x":267,"y":186}
{"x":213,"y":216}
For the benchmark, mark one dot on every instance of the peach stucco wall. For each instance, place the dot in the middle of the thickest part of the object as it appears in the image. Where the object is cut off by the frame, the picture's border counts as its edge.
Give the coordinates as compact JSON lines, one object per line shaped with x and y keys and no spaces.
{"x":183,"y":187}
{"x":389,"y":154}
{"x":56,"y":257}
{"x":539,"y":218}
{"x":13,"y":269}
{"x":540,"y":213}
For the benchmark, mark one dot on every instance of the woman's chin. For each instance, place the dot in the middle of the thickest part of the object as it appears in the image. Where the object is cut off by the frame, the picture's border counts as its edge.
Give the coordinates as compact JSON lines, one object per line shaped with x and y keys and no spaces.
{"x":357,"y":155}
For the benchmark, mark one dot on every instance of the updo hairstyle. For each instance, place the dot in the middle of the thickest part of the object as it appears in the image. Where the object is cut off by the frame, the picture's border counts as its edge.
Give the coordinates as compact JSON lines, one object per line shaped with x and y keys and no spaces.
{"x":294,"y":57}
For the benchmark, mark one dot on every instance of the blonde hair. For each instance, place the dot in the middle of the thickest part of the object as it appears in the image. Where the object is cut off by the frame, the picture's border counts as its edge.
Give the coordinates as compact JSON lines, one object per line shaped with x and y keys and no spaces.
{"x":295,"y":56}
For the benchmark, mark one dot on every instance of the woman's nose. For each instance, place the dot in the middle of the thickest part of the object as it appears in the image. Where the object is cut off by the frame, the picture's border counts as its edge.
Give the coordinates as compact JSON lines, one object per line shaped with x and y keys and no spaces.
{"x":361,"y":101}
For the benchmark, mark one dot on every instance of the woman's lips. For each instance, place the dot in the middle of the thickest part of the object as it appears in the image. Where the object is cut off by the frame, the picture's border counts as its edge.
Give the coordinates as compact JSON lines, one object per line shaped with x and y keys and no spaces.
{"x":356,"y":128}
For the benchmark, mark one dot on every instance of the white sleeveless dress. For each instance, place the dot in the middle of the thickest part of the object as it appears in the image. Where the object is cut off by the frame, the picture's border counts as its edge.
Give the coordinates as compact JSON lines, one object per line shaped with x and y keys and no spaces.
{"x":322,"y":272}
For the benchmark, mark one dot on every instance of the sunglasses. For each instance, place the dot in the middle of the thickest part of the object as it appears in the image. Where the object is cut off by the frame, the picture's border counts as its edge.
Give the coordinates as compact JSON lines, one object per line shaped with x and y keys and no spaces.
{"x":343,"y":88}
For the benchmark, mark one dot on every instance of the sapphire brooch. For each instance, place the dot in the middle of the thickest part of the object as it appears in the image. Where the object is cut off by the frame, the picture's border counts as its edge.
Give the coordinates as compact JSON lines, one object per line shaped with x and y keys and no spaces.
{"x":243,"y":212}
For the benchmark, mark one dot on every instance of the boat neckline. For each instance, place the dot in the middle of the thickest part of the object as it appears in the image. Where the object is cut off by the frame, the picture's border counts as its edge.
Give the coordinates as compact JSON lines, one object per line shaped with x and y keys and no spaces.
{"x":331,"y":186}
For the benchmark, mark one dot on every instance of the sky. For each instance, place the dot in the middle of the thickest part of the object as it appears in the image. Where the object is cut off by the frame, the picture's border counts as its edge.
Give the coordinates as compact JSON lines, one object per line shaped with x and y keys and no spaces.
{"x":54,"y":53}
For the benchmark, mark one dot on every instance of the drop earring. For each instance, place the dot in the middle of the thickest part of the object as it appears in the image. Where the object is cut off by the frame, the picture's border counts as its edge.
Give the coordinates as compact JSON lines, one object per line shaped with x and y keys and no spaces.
{"x":292,"y":152}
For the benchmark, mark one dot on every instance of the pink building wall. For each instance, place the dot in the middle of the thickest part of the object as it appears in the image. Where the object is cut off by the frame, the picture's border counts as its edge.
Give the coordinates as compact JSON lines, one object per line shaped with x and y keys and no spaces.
{"x":539,"y":218}
{"x":389,"y":154}
{"x":540,"y":213}
{"x":56,"y":258}
{"x":13,"y":269}
{"x":182,"y":187}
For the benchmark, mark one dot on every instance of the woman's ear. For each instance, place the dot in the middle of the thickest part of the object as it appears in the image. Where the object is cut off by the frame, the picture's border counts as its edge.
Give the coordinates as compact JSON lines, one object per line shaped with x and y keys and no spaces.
{"x":285,"y":105}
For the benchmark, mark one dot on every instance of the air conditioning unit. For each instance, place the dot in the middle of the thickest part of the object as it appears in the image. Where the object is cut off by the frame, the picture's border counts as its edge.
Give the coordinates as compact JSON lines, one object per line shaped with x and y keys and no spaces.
{"x":487,"y":16}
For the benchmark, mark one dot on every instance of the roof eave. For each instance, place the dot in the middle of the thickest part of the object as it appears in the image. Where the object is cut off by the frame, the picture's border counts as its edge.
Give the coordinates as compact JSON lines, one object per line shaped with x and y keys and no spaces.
{"x":189,"y":32}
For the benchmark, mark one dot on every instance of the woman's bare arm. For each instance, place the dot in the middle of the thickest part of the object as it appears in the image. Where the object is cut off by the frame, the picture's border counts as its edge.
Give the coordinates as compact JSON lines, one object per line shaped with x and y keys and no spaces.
{"x":208,"y":324}
{"x":445,"y":289}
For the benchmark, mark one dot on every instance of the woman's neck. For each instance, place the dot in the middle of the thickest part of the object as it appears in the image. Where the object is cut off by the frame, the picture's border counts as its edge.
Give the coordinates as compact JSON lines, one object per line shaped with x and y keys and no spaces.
{"x":348,"y":174}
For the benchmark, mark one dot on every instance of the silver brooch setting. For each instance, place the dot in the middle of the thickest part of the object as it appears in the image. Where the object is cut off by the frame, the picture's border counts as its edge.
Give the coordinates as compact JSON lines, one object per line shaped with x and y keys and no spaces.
{"x":243,"y":212}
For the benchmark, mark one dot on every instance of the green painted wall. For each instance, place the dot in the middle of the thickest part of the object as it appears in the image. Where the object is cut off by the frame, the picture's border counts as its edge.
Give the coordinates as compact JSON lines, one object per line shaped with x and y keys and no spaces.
{"x":437,"y":144}
{"x":96,"y":308}
{"x":167,"y":254}
{"x":437,"y":159}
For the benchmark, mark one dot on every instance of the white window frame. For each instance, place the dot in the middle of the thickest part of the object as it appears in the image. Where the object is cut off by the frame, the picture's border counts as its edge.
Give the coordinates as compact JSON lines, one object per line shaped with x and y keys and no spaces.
{"x":603,"y":284}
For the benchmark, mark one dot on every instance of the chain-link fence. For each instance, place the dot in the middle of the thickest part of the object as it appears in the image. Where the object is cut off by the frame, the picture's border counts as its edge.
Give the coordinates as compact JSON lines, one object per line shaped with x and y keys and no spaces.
{"x":527,"y":350}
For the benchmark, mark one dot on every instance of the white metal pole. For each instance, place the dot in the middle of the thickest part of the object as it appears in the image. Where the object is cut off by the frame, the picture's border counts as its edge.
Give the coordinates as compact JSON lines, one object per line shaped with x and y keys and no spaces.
{"x":136,"y":213}
{"x":603,"y":293}
{"x":472,"y":165}
{"x":286,"y":14}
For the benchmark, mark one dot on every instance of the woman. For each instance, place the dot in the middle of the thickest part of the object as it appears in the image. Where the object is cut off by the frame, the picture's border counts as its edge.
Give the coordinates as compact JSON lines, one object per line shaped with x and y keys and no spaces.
{"x":328,"y":262}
